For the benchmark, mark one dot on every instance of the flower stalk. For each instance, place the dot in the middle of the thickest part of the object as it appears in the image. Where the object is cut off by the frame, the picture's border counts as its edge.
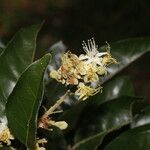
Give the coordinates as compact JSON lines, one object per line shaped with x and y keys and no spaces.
{"x":46,"y":121}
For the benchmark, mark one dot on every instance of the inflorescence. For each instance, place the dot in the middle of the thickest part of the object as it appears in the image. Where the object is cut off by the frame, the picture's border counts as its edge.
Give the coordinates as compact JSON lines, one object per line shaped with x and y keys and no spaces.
{"x":84,"y":70}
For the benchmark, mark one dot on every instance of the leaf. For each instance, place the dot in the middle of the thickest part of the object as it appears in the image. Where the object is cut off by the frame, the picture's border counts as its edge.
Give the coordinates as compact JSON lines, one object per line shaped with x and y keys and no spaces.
{"x":1,"y":50}
{"x":15,"y":58}
{"x":142,"y":119}
{"x":127,"y":51}
{"x":118,"y":86}
{"x":56,"y":139}
{"x":107,"y":117}
{"x":1,"y":47}
{"x":74,"y":111}
{"x":133,"y":139}
{"x":90,"y":143}
{"x":23,"y":103}
{"x":57,"y":50}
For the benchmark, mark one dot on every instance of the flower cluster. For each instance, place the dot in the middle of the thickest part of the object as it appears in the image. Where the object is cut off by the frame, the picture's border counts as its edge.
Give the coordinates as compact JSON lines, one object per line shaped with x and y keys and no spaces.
{"x":5,"y":135}
{"x":84,"y":70}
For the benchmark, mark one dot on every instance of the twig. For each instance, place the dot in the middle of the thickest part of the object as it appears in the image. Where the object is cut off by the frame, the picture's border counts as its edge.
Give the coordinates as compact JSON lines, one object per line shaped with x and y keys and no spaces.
{"x":56,"y":105}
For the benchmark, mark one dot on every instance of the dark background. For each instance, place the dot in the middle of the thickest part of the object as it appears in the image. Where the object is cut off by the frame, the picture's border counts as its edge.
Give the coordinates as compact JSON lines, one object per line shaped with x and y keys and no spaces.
{"x":75,"y":20}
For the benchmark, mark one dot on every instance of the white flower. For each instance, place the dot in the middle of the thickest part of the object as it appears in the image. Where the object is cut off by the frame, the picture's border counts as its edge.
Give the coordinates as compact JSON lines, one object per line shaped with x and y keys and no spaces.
{"x":92,"y":54}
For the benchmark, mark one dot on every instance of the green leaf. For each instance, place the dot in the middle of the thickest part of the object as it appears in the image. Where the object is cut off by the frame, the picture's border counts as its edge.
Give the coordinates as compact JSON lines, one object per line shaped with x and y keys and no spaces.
{"x":1,"y":47}
{"x":133,"y":139}
{"x":74,"y":111}
{"x":1,"y":50}
{"x":18,"y":54}
{"x":57,"y":50}
{"x":23,"y":103}
{"x":90,"y":143}
{"x":142,"y":119}
{"x":119,"y":86}
{"x":127,"y":51}
{"x":107,"y":117}
{"x":56,"y":139}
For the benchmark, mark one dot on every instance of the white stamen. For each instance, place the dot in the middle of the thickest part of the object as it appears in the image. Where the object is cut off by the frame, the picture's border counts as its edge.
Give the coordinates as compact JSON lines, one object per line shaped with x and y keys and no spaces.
{"x":92,"y":54}
{"x":90,"y":46}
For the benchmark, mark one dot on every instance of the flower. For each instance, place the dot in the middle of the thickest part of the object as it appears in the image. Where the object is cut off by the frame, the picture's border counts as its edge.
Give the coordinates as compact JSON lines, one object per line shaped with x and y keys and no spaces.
{"x":68,"y":73}
{"x":108,"y":59}
{"x":47,"y":122}
{"x":85,"y":91}
{"x":40,"y":141}
{"x":92,"y":54}
{"x":101,"y":70}
{"x":5,"y":135}
{"x":91,"y":74}
{"x":57,"y":76}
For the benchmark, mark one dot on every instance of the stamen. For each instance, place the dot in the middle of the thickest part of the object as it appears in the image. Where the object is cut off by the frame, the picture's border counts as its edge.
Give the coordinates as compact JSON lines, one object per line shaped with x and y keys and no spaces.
{"x":90,"y":46}
{"x":108,"y":47}
{"x":85,"y":47}
{"x":93,"y":43}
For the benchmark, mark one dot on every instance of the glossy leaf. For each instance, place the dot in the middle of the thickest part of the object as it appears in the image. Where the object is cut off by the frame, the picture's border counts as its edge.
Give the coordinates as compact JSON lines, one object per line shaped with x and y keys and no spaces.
{"x":90,"y":143}
{"x":56,"y":139}
{"x":127,"y":51}
{"x":1,"y":50}
{"x":74,"y":111}
{"x":15,"y":58}
{"x":107,"y":117}
{"x":118,"y":86}
{"x":133,"y":139}
{"x":142,"y":119}
{"x":57,"y":50}
{"x":23,"y":103}
{"x":1,"y":47}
